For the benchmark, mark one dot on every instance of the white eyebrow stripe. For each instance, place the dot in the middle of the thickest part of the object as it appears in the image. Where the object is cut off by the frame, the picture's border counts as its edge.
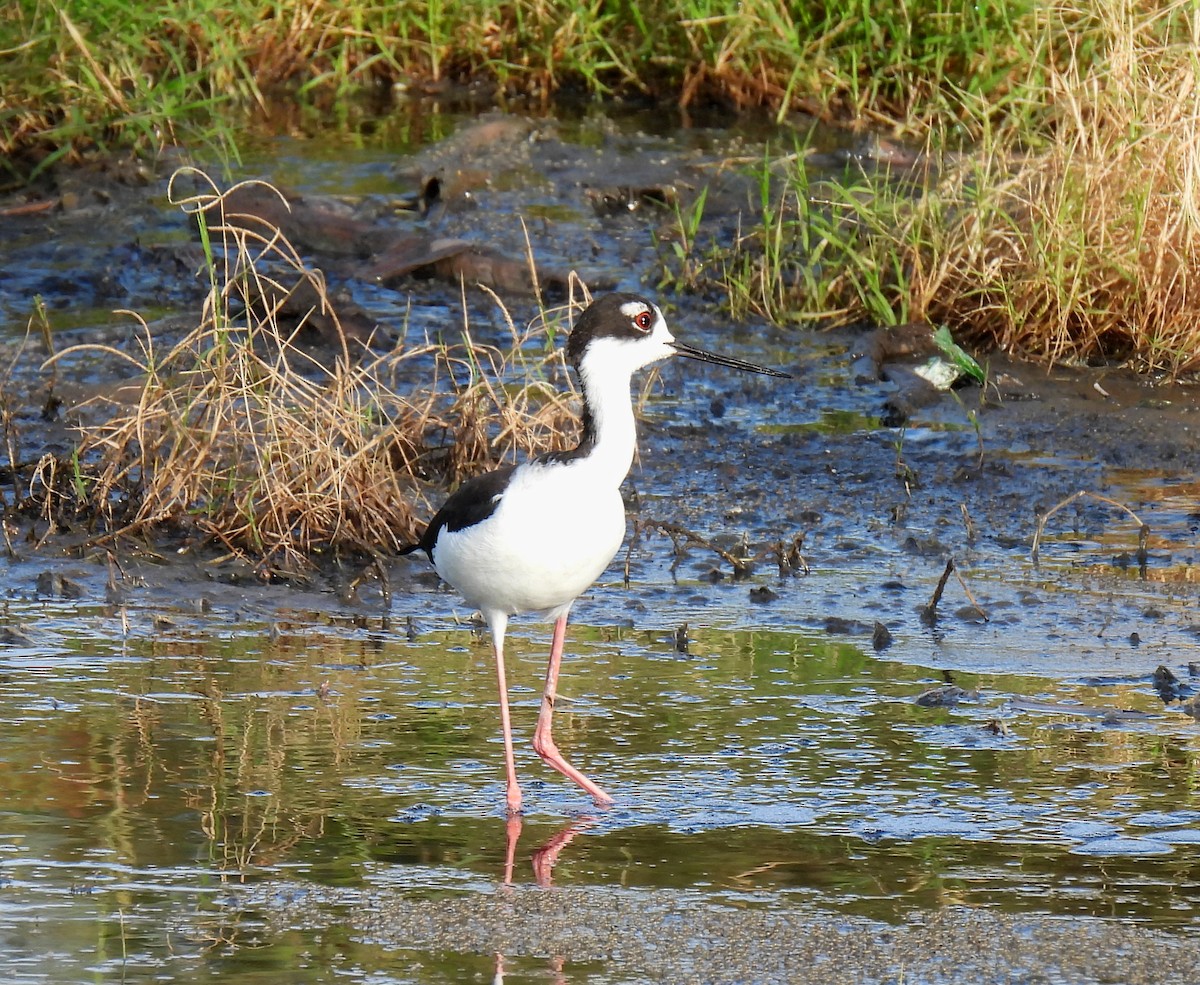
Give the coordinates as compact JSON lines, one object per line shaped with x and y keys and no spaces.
{"x":631,"y":309}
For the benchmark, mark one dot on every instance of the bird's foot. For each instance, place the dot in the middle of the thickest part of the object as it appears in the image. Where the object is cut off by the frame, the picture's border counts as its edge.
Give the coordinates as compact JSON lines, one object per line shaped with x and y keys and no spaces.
{"x":544,"y":746}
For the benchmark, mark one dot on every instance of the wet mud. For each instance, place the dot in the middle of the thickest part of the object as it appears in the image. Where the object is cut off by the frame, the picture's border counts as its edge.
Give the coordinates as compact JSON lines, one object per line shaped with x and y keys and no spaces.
{"x":675,"y":937}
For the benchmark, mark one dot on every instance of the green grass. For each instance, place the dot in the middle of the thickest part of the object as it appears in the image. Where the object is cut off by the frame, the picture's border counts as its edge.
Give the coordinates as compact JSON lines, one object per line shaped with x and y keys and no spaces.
{"x":114,"y":73}
{"x":1055,"y":214}
{"x":1067,"y":230}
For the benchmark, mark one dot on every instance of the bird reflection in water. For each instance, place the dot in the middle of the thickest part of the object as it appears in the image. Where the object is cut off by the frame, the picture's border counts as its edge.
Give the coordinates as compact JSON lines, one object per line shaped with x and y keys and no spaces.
{"x":542,"y":860}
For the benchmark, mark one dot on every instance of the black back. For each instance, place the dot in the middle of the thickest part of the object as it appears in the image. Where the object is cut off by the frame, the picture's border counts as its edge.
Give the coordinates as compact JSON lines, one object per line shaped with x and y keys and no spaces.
{"x":471,"y":503}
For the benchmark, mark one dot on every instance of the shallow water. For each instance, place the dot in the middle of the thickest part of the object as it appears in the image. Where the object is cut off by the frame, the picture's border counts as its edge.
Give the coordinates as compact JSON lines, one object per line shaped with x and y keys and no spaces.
{"x":160,"y":779}
{"x":264,"y":783}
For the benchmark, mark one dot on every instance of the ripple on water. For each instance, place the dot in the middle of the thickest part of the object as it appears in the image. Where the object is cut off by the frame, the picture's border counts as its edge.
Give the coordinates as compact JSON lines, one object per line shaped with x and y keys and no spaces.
{"x":1122,"y":846}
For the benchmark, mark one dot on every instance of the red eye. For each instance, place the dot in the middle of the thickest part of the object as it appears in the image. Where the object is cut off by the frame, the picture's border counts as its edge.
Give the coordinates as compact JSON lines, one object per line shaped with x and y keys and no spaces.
{"x":644,"y":321}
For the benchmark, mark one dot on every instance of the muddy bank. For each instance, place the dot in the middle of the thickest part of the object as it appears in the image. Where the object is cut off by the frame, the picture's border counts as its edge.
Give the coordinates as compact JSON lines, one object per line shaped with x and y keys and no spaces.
{"x":677,"y":937}
{"x":878,"y":489}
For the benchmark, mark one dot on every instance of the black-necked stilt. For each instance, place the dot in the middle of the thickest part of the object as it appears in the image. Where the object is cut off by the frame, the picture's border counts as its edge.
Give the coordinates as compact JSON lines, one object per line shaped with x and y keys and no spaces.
{"x":533,"y":537}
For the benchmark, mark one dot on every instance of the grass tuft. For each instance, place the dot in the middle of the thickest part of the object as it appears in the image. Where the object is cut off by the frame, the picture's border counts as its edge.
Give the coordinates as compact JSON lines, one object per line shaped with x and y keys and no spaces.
{"x":109,"y":73}
{"x":280,"y":452}
{"x":1076,"y":239}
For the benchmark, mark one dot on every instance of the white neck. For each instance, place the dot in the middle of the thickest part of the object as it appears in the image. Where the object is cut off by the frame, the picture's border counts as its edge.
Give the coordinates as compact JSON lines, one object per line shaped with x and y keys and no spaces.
{"x":613,"y":432}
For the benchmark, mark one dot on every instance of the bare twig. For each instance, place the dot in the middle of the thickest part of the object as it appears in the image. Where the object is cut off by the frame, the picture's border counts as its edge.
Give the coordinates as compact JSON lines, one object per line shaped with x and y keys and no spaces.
{"x":968,"y":523}
{"x":1143,"y":529}
{"x":970,"y":598}
{"x":629,"y":554}
{"x":741,"y":566}
{"x":790,"y":558}
{"x":929,"y":612}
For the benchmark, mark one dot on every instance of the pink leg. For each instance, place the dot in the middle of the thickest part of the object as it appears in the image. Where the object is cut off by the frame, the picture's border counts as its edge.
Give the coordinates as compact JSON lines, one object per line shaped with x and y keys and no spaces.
{"x":543,"y":741}
{"x":498,"y":625}
{"x":512,"y":833}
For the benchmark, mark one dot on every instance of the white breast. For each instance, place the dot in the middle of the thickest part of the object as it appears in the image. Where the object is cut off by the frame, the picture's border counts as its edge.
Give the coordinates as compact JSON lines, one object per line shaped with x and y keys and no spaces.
{"x":552,"y":535}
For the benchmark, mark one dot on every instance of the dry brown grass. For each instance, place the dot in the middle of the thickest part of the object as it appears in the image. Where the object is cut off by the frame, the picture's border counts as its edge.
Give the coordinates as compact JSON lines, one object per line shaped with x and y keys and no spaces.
{"x":280,"y":451}
{"x":1089,"y":248}
{"x":1071,"y":234}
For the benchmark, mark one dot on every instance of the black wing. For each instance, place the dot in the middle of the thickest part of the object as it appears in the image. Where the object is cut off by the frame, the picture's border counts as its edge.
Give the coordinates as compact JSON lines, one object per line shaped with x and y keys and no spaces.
{"x":471,"y":503}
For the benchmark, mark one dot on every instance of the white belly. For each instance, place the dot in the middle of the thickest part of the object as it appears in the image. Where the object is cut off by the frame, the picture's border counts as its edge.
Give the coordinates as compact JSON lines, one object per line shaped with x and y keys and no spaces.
{"x":552,"y":535}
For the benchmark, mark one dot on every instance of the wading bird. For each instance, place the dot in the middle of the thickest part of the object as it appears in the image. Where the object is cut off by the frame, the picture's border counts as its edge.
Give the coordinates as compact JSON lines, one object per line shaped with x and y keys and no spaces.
{"x":535,"y":536}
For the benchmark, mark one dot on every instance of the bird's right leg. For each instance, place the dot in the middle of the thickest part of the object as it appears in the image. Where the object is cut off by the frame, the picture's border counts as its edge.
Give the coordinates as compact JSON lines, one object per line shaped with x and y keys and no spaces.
{"x":498,"y":623}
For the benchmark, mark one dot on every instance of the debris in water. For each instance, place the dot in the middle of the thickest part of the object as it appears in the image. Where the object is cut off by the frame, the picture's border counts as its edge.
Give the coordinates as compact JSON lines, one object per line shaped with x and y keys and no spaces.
{"x":945,"y":696}
{"x":1169,"y":687}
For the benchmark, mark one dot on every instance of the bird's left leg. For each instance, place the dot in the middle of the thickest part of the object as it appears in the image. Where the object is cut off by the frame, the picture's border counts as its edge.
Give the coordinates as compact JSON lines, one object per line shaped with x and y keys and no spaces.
{"x":543,"y":741}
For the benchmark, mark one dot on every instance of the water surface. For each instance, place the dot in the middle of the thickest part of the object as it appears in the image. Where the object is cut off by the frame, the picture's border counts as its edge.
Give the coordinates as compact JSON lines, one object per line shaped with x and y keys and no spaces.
{"x":162,"y":778}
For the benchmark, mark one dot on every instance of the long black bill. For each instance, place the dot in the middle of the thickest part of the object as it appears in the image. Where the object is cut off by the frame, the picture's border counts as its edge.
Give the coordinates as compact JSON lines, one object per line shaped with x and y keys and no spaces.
{"x":711,"y":357}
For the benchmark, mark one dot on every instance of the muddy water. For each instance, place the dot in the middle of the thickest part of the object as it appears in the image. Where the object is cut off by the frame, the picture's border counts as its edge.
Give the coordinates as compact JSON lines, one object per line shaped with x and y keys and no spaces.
{"x":210,"y":781}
